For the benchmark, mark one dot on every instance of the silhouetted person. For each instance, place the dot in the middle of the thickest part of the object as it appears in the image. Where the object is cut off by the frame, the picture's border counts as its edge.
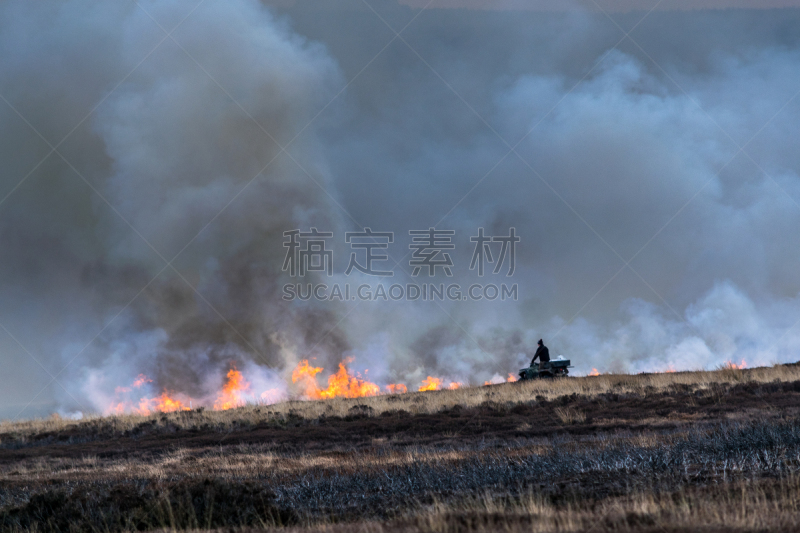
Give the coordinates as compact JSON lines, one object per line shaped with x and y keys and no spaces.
{"x":542,"y":354}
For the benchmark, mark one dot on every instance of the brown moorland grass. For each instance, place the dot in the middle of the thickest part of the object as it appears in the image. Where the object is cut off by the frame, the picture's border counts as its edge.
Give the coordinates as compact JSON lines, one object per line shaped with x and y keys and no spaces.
{"x":711,"y":451}
{"x":428,"y":402}
{"x":733,"y":476}
{"x":741,"y":507}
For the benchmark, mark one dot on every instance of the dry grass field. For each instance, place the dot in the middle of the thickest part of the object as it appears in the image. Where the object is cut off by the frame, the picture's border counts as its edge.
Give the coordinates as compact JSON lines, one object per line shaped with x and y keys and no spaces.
{"x":689,"y":451}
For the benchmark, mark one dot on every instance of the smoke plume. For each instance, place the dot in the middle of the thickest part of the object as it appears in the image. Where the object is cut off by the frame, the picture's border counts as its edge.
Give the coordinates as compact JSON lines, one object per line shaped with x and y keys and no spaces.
{"x":653,"y":182}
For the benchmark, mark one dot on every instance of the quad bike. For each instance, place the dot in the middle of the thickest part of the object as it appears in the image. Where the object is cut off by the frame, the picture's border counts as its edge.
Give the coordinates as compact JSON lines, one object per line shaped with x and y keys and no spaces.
{"x":553,"y":369}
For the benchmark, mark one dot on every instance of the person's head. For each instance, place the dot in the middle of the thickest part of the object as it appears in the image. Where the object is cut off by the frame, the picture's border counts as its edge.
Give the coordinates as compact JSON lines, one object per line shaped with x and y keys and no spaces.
{"x":540,"y":343}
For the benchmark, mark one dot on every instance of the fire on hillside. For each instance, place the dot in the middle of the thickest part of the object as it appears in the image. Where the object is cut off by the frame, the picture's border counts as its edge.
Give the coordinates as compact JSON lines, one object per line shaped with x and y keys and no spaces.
{"x":237,"y":391}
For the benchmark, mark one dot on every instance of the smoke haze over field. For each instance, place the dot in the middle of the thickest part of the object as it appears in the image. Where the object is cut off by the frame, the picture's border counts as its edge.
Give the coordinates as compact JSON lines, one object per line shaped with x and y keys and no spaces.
{"x":610,"y":6}
{"x":151,"y":241}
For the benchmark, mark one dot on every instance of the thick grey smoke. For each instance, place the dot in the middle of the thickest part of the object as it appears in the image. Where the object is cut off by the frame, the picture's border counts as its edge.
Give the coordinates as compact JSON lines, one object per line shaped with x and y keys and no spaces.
{"x":636,"y":163}
{"x":182,"y":129}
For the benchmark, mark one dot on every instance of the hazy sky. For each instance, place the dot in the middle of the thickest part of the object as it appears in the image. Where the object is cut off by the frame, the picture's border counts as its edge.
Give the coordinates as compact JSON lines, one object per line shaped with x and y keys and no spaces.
{"x":572,"y":5}
{"x":606,"y":5}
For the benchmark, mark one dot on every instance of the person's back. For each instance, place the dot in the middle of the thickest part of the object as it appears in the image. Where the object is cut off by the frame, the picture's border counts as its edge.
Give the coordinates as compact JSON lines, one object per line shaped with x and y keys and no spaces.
{"x":542,"y":353}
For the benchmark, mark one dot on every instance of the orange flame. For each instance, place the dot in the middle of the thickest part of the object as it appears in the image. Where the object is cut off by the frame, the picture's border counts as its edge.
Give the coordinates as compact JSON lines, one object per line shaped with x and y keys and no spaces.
{"x":232,"y":394}
{"x":594,"y":372}
{"x":236,"y":390}
{"x":430,"y":383}
{"x":341,"y":384}
{"x":731,"y":364}
{"x":165,"y":404}
{"x":496,"y":380}
{"x":141,"y":379}
{"x":304,"y":373}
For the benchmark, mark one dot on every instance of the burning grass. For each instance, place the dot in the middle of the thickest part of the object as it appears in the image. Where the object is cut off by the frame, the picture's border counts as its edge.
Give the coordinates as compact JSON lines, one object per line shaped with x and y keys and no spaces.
{"x":342,"y":384}
{"x":236,"y":391}
{"x":424,"y":402}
